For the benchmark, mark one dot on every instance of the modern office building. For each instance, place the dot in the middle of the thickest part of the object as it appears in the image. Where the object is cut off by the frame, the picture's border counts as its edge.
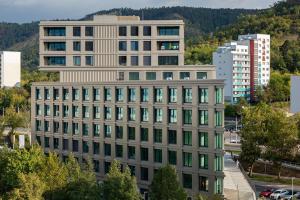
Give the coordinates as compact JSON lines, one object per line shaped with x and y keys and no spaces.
{"x":295,"y":94}
{"x":245,"y":65}
{"x":124,"y":93}
{"x":10,"y":68}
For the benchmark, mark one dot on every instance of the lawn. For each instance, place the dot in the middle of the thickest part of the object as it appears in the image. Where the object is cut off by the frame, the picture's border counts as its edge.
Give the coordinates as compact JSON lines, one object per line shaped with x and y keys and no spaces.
{"x":273,"y":179}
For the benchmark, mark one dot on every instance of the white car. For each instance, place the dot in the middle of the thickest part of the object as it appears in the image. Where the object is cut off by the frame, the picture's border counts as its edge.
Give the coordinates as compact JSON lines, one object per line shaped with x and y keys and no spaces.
{"x":279,"y":194}
{"x":290,"y":197}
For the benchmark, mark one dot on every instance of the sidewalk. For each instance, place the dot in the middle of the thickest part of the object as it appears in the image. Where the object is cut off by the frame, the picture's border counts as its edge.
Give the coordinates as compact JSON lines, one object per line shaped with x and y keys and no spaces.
{"x":236,"y":185}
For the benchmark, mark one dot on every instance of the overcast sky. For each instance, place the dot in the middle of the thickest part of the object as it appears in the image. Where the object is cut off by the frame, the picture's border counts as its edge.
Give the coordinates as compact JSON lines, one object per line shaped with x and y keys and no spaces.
{"x":32,"y":10}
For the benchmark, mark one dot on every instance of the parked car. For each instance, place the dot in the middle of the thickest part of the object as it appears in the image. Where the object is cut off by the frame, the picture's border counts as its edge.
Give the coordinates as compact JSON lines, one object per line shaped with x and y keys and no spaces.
{"x":290,"y":196}
{"x":278,"y":194}
{"x":266,"y":193}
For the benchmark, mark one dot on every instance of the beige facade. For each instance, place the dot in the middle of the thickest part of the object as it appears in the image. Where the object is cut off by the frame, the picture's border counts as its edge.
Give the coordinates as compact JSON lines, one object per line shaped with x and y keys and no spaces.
{"x":145,"y":114}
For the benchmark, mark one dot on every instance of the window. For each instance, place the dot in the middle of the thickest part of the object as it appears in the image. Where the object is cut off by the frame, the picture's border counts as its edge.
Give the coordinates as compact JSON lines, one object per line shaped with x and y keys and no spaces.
{"x":96,"y":130}
{"x":107,"y":94}
{"x":172,"y":136}
{"x":76,"y":31}
{"x":96,"y":112}
{"x":55,"y":31}
{"x":172,"y":157}
{"x":158,"y":94}
{"x":85,"y":112}
{"x":157,"y":155}
{"x":132,"y":170}
{"x":218,"y":140}
{"x":203,"y":161}
{"x":187,"y":117}
{"x":201,"y":75}
{"x":144,"y":174}
{"x":167,"y":45}
{"x":85,"y":94}
{"x":167,"y":60}
{"x":56,"y":94}
{"x":219,"y":95}
{"x":187,"y":138}
{"x":56,"y":143}
{"x":55,"y":46}
{"x":96,"y":149}
{"x":187,"y":95}
{"x":107,"y":131}
{"x":131,"y":94}
{"x":65,"y":127}
{"x":218,"y":118}
{"x":75,"y":145}
{"x":47,"y":142}
{"x":187,"y":159}
{"x":119,"y":113}
{"x":203,"y":95}
{"x":75,"y":94}
{"x":119,"y":94}
{"x":157,"y":135}
{"x":147,"y":31}
{"x":65,"y":144}
{"x":85,"y":147}
{"x":47,"y":110}
{"x":96,"y":94}
{"x":203,"y":117}
{"x":134,"y":45}
{"x":46,"y":126}
{"x":38,"y":110}
{"x":122,"y":46}
{"x":89,"y":31}
{"x":218,"y":162}
{"x":76,"y":46}
{"x":134,"y":60}
{"x":144,"y":154}
{"x":106,"y":167}
{"x":134,"y":31}
{"x":122,"y":31}
{"x":55,"y":110}
{"x":85,"y":129}
{"x":144,"y":134}
{"x":75,"y":128}
{"x":131,"y":114}
{"x":203,"y":183}
{"x":119,"y":151}
{"x":147,"y":45}
{"x":56,"y":127}
{"x":75,"y":111}
{"x":144,"y":95}
{"x":185,"y":75}
{"x":147,"y":61}
{"x":55,"y":60}
{"x":144,"y":115}
{"x":150,"y":76}
{"x":123,"y":60}
{"x":46,"y":94}
{"x":107,"y":113}
{"x":107,"y":149}
{"x":172,"y":95}
{"x":168,"y":75}
{"x":89,"y":60}
{"x":96,"y":165}
{"x":187,"y":181}
{"x":168,"y":30}
{"x":134,"y":76}
{"x":218,"y":186}
{"x":172,"y":116}
{"x":65,"y":94}
{"x":131,"y":152}
{"x":158,"y":115}
{"x":38,"y":95}
{"x":131,"y":133}
{"x":89,"y":46}
{"x":119,"y":132}
{"x":203,"y":139}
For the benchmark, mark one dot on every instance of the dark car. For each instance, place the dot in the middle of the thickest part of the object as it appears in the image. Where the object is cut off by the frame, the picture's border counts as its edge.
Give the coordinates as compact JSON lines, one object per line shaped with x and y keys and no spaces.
{"x":266,"y":192}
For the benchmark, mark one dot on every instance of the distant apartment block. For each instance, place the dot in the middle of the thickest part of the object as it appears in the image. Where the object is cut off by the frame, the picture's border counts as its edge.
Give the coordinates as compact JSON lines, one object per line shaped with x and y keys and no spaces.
{"x":10,"y":68}
{"x":295,"y":94}
{"x":244,"y":64}
{"x":124,"y":93}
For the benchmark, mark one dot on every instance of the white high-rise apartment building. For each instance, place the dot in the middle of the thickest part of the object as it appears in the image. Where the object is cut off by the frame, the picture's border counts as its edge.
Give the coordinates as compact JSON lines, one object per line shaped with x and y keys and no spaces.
{"x":244,"y":64}
{"x":10,"y":68}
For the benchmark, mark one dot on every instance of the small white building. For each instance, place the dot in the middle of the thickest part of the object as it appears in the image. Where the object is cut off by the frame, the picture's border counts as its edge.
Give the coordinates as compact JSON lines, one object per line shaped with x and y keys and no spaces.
{"x":295,"y":94}
{"x":10,"y":66}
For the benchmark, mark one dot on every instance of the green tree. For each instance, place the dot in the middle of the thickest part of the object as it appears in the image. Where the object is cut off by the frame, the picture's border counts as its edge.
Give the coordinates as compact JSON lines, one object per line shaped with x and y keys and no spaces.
{"x":165,"y":185}
{"x":119,"y":185}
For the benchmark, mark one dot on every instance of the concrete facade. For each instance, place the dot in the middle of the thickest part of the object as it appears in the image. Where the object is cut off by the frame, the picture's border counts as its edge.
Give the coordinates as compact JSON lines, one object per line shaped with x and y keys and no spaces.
{"x":144,"y":114}
{"x":10,"y":68}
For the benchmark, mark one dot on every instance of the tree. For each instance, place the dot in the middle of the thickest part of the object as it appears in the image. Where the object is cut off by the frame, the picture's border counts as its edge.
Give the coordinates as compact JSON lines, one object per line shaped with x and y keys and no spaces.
{"x":120,"y":185}
{"x":165,"y":185}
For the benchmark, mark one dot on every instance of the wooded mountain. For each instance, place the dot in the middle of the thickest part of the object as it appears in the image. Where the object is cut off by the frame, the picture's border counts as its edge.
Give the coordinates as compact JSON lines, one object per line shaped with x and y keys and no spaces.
{"x":199,"y":21}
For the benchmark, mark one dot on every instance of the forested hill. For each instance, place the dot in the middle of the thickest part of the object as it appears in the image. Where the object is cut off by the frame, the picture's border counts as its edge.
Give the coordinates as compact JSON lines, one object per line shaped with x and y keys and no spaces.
{"x":24,"y":37}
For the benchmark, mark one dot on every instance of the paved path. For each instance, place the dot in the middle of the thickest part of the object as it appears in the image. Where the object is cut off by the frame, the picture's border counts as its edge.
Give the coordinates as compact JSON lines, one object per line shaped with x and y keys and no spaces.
{"x":236,"y":186}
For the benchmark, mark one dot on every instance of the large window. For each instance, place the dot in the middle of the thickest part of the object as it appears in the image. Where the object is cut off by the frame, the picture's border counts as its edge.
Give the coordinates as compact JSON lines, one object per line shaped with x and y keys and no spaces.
{"x":122,"y":60}
{"x":96,"y":130}
{"x":131,"y":94}
{"x":187,"y":138}
{"x":131,"y":152}
{"x":144,"y":134}
{"x":157,"y":155}
{"x":157,"y":135}
{"x":187,"y":95}
{"x":119,"y":132}
{"x":218,"y":188}
{"x":119,"y":113}
{"x":85,"y":147}
{"x":172,"y":157}
{"x":203,"y":139}
{"x":203,"y":95}
{"x":122,"y":46}
{"x":119,"y":151}
{"x":218,"y":162}
{"x":144,"y":174}
{"x":203,"y":117}
{"x":89,"y":46}
{"x":76,"y":46}
{"x":144,"y":115}
{"x":134,"y":45}
{"x":144,"y":154}
{"x":96,"y":94}
{"x":172,"y":116}
{"x":131,"y":133}
{"x":75,"y":128}
{"x":75,"y":145}
{"x":85,"y":112}
{"x":158,"y":115}
{"x":147,"y":45}
{"x":89,"y":60}
{"x":131,"y":114}
{"x":219,"y":95}
{"x":168,"y":75}
{"x":76,"y":60}
{"x":185,"y":75}
{"x":203,"y":183}
{"x":158,"y":95}
{"x":120,"y":94}
{"x":187,"y":181}
{"x":107,"y":94}
{"x":218,"y":118}
{"x":167,"y":45}
{"x":201,"y":75}
{"x":187,"y":116}
{"x":85,"y":129}
{"x":203,"y":161}
{"x":107,"y":131}
{"x":47,"y":110}
{"x":96,"y":112}
{"x":89,"y":31}
{"x":167,"y":60}
{"x":172,"y":136}
{"x":134,"y":60}
{"x":150,"y":76}
{"x":187,"y":159}
{"x":85,"y":94}
{"x":76,"y":94}
{"x":144,"y":95}
{"x":55,"y":60}
{"x":218,"y":140}
{"x":107,"y":149}
{"x":168,"y":30}
{"x":134,"y":76}
{"x":147,"y":61}
{"x":96,"y":148}
{"x":147,"y":31}
{"x":134,"y":31}
{"x":76,"y":31}
{"x":55,"y":31}
{"x":122,"y":31}
{"x":75,"y":111}
{"x":172,"y":95}
{"x":55,"y":46}
{"x":107,"y":113}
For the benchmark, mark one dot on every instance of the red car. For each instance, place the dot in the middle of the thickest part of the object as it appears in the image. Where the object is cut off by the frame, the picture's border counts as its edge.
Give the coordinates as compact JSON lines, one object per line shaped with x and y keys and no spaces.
{"x":266,"y":193}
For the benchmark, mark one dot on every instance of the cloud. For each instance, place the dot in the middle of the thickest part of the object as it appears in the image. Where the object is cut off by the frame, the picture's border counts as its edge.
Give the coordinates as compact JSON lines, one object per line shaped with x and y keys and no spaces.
{"x":32,"y":10}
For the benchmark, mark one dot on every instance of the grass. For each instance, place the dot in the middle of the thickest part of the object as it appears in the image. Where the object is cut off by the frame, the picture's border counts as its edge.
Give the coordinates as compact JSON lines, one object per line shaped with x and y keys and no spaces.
{"x":273,"y":179}
{"x":235,"y":152}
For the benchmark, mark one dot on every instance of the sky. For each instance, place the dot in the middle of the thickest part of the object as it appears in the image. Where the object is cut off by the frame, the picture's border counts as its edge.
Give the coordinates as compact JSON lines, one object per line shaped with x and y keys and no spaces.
{"x":21,"y":11}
